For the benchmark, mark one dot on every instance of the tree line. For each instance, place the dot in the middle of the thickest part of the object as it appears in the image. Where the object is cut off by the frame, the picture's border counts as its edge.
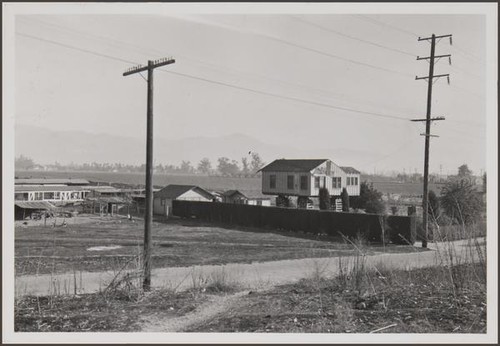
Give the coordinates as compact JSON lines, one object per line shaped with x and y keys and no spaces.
{"x":460,"y":200}
{"x":247,"y":167}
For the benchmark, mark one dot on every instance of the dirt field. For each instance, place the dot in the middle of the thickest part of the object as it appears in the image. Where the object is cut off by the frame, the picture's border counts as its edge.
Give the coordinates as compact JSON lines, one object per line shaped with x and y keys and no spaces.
{"x":92,"y":243}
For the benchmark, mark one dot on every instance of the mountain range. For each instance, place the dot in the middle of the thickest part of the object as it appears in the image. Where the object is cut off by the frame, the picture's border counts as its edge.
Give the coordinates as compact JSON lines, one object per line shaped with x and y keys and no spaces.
{"x":47,"y":146}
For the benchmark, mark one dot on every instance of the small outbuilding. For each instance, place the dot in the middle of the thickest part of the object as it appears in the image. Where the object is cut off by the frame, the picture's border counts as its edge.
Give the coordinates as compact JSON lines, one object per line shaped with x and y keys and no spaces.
{"x":162,"y":200}
{"x":24,"y":209}
{"x":234,"y":196}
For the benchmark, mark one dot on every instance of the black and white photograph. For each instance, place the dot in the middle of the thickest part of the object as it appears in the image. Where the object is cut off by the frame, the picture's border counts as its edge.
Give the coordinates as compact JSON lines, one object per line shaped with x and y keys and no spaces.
{"x":250,"y":172}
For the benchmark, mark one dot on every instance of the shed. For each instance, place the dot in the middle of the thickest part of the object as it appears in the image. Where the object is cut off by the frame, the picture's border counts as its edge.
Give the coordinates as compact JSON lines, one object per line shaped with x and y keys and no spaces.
{"x":234,"y":196}
{"x":27,"y":208}
{"x":162,"y":200}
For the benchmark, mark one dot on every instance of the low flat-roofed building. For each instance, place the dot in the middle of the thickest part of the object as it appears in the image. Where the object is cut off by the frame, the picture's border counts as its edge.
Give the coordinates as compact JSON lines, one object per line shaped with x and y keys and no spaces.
{"x":50,"y":193}
{"x":51,"y":181}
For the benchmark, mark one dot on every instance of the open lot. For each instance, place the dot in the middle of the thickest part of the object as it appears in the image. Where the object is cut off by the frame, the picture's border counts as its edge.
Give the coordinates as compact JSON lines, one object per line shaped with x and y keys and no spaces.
{"x":92,"y":243}
{"x":365,"y":293}
{"x":356,"y":301}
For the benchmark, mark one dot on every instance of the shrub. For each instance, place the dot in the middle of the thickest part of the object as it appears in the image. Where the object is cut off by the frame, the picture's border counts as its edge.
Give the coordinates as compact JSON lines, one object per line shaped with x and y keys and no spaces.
{"x":369,"y":199}
{"x":461,"y":201}
{"x":345,"y":200}
{"x":324,"y":199}
{"x":433,"y":207}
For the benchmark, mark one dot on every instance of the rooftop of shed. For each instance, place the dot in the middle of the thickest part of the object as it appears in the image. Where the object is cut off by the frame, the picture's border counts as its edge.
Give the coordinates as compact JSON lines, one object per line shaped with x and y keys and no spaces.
{"x":173,"y":191}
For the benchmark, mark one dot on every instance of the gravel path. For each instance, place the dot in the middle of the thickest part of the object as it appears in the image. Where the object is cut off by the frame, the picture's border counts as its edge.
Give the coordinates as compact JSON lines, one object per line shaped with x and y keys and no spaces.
{"x":250,"y":276}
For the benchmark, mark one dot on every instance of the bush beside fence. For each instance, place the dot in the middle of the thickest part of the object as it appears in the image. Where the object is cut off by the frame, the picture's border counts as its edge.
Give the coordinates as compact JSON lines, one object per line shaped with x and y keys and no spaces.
{"x":398,"y":229}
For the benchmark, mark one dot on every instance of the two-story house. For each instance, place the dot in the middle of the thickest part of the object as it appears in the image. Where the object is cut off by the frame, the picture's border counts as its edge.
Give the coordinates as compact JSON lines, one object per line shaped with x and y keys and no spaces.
{"x":304,"y":178}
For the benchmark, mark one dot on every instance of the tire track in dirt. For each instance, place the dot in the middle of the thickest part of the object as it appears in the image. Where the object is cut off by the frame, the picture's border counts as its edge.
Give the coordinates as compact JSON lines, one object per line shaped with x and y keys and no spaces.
{"x":205,"y":312}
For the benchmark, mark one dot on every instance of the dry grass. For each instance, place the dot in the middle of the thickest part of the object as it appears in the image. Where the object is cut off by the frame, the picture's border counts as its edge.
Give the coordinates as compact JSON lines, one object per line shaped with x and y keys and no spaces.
{"x":418,"y":301}
{"x":447,"y":298}
{"x":118,"y":311}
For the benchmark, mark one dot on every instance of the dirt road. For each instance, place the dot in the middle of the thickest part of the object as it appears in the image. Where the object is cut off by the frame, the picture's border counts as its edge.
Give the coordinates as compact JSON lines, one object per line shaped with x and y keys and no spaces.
{"x":249,"y":276}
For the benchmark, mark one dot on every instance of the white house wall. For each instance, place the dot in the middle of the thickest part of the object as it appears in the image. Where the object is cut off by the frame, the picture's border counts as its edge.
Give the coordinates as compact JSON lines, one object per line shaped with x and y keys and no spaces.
{"x":163,"y":206}
{"x":321,"y":171}
{"x":353,"y":190}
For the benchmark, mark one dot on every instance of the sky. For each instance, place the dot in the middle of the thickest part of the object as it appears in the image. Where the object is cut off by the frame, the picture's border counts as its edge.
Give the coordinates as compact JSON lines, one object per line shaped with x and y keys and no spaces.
{"x":290,"y":79}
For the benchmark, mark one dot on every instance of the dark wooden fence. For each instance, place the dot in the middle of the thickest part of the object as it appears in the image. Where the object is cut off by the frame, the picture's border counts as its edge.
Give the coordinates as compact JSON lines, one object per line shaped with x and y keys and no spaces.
{"x":398,"y":229}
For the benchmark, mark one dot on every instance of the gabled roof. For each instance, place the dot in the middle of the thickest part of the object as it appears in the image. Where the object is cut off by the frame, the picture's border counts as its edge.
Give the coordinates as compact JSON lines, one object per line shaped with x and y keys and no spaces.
{"x":284,"y":165}
{"x":35,"y":205}
{"x":230,"y":193}
{"x":174,"y":191}
{"x":350,"y":170}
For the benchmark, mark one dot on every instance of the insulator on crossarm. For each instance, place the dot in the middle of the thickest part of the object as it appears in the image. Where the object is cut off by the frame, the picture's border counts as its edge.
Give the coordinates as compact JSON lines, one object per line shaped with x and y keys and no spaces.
{"x":448,"y":78}
{"x":451,"y":41}
{"x":449,"y":59}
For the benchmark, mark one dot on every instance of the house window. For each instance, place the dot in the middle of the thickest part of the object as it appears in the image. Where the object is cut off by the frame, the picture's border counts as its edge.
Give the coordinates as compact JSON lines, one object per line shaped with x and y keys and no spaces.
{"x":272,"y":181}
{"x":303,"y":182}
{"x":348,"y":181}
{"x":57,"y":195}
{"x":316,"y":182}
{"x":38,"y":196}
{"x":336,"y":182}
{"x":290,"y":182}
{"x":356,"y":181}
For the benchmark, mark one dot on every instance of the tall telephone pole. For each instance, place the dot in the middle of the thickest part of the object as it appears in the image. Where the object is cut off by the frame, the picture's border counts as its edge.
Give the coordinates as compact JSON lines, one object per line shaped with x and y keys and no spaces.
{"x":428,"y":120}
{"x":148,"y":216}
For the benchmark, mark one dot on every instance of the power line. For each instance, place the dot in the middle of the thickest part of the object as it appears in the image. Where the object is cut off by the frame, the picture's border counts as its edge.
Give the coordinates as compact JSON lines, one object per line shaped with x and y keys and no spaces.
{"x":458,"y":49}
{"x":390,"y":154}
{"x":381,"y":23}
{"x":142,"y":50}
{"x":335,"y":56}
{"x":101,"y":38}
{"x":354,"y":38}
{"x":287,"y":97}
{"x":292,"y":44}
{"x":467,"y":91}
{"x":77,"y":48}
{"x":471,"y":57}
{"x":225,"y":84}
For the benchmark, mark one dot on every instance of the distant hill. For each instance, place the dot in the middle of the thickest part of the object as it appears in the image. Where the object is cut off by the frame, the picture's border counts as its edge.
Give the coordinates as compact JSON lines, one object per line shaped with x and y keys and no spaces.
{"x":47,"y":146}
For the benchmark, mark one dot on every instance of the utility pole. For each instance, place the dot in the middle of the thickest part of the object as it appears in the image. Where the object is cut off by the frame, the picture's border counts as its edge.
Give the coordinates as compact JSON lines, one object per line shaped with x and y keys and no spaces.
{"x":428,"y":120}
{"x":148,"y":216}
